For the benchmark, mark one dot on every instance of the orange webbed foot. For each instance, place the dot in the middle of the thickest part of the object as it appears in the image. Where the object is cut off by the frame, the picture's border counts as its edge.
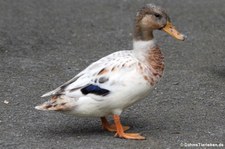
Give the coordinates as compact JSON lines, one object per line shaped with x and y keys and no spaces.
{"x":133,"y":136}
{"x":111,"y":127}
{"x":120,"y":132}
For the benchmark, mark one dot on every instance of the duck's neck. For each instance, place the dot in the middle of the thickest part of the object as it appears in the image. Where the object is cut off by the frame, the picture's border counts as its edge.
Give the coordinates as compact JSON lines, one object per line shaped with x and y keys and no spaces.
{"x":143,"y":34}
{"x":149,"y":54}
{"x":142,"y":48}
{"x":143,"y":40}
{"x":141,"y":45}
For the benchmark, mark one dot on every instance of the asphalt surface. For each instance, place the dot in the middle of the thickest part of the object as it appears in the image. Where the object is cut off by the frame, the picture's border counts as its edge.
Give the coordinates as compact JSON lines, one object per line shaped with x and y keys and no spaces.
{"x":46,"y":42}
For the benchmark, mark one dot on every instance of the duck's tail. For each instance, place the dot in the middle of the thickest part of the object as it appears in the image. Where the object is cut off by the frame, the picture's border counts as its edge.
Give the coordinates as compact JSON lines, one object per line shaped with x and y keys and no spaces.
{"x":57,"y":103}
{"x":51,"y":93}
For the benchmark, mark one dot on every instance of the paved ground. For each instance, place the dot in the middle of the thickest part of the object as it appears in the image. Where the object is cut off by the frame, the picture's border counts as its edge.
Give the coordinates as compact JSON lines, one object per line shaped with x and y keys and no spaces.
{"x":46,"y":42}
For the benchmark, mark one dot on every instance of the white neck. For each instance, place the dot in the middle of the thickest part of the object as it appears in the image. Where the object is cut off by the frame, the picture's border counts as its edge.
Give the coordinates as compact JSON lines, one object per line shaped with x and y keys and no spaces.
{"x":142,"y":45}
{"x":141,"y":48}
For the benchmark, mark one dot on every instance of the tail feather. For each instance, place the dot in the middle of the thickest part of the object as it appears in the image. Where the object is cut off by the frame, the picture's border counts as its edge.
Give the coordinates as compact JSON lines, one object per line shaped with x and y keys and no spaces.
{"x":49,"y":93}
{"x":56,"y":104}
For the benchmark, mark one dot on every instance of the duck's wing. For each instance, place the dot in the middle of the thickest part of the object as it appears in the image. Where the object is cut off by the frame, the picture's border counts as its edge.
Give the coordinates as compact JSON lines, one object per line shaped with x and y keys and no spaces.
{"x":98,"y":77}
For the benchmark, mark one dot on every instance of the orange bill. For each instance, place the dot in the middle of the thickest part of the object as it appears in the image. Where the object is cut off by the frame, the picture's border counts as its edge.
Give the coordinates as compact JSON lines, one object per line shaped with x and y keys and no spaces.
{"x":170,"y":29}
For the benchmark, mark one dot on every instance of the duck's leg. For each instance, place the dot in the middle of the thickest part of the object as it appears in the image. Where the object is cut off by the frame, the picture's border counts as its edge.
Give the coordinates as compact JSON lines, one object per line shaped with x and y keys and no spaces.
{"x":111,"y":127}
{"x":120,"y":132}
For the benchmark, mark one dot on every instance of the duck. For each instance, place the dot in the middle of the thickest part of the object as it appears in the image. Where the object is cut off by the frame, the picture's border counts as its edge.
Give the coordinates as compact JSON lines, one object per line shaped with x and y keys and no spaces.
{"x":115,"y":82}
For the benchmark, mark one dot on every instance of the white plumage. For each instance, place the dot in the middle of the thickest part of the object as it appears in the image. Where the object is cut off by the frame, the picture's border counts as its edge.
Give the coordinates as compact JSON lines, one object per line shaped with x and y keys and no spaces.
{"x":120,"y":75}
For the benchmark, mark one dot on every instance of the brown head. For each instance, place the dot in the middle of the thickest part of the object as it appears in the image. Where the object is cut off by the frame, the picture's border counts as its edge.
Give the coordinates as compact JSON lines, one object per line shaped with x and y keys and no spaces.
{"x":150,"y":18}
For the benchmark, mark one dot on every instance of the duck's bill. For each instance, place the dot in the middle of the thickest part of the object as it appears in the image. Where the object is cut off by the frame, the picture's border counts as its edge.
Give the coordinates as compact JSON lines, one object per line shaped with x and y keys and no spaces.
{"x":171,"y":30}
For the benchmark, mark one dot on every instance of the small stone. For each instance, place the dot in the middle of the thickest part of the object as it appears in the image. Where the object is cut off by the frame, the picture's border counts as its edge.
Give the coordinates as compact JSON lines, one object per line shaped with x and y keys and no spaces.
{"x":6,"y":102}
{"x":175,"y":83}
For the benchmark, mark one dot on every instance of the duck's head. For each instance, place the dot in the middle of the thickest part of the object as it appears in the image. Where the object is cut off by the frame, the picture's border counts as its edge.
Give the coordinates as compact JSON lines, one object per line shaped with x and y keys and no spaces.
{"x":152,"y":17}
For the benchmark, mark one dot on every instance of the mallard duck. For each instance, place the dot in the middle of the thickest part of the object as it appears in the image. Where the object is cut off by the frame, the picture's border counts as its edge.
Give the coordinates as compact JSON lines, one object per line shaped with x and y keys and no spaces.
{"x":117,"y":81}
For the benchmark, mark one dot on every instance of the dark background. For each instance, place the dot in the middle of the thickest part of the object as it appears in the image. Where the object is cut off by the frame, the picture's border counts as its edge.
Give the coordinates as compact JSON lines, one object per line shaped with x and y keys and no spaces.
{"x":44,"y":43}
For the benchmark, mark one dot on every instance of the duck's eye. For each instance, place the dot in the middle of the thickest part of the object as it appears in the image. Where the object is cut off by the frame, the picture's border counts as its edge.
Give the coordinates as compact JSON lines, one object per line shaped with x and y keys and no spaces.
{"x":157,"y":15}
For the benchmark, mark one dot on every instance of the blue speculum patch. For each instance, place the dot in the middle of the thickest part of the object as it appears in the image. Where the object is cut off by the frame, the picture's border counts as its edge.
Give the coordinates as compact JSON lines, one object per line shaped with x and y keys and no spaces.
{"x":94,"y":89}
